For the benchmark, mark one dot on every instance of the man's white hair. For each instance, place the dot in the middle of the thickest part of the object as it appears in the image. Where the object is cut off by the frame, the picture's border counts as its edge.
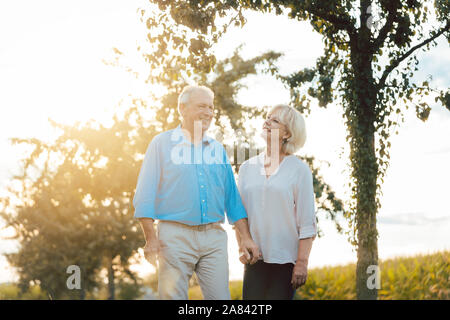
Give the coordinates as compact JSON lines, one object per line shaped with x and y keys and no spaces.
{"x":187,"y":91}
{"x":295,"y":124}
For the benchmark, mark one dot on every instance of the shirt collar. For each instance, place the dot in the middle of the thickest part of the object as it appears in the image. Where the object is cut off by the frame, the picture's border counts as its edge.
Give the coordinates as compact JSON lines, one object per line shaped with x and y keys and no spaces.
{"x":178,"y":132}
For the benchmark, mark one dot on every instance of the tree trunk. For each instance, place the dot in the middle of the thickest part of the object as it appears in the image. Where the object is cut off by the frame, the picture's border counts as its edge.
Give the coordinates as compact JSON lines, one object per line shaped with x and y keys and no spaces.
{"x":111,"y":285}
{"x":365,"y":172}
{"x":82,"y":293}
{"x":366,"y":211}
{"x":362,"y":119}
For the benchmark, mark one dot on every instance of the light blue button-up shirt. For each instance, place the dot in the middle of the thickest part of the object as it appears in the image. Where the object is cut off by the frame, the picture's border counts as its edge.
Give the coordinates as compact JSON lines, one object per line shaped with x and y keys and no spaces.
{"x":187,"y":183}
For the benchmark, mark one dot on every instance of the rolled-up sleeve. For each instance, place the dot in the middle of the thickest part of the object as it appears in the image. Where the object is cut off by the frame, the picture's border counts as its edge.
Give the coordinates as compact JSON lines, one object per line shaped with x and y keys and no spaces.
{"x":234,"y":207}
{"x":305,"y":207}
{"x":241,"y":178}
{"x":148,"y":181}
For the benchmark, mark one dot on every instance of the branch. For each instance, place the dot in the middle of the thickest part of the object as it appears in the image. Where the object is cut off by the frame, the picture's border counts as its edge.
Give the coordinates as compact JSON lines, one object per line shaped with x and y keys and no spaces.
{"x":340,"y":22}
{"x":394,"y":64}
{"x":416,"y":87}
{"x":385,"y":30}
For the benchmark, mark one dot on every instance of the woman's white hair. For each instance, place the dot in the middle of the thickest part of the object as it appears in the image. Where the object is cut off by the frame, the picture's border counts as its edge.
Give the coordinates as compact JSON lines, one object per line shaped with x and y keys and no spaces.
{"x":295,"y":124}
{"x":187,"y":91}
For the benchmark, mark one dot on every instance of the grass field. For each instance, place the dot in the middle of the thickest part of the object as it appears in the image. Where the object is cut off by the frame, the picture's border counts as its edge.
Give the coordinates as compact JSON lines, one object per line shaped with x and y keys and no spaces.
{"x":406,"y":278}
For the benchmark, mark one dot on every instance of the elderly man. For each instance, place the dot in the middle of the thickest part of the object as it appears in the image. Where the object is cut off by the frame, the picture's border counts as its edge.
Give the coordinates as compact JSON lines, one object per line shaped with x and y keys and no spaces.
{"x":187,"y":184}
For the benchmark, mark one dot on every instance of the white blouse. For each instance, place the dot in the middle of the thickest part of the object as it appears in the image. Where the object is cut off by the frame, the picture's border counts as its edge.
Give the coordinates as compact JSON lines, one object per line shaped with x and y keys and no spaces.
{"x":280,"y":208}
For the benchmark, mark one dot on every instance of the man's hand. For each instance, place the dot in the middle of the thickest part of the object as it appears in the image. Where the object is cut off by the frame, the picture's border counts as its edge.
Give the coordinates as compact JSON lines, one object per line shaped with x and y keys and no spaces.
{"x":151,"y":251}
{"x":299,"y":274}
{"x":152,"y":245}
{"x":248,"y":251}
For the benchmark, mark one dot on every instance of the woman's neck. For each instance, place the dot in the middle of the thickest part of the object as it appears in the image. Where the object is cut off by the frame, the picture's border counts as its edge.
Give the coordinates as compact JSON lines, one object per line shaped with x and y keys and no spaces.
{"x":276,"y":154}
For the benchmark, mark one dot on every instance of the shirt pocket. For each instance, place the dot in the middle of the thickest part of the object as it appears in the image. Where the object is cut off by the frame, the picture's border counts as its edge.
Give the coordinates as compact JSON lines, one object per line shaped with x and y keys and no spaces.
{"x":216,"y":180}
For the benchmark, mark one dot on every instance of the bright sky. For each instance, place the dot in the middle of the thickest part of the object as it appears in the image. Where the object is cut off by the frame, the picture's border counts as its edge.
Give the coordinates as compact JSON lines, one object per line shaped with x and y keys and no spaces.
{"x":51,"y":67}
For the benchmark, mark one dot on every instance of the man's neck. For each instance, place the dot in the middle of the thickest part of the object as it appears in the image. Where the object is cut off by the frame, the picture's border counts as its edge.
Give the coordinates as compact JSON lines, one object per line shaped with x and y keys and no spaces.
{"x":192,"y":134}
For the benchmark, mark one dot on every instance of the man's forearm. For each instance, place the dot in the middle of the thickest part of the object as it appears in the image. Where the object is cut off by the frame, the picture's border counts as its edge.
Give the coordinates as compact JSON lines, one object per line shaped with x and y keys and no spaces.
{"x":148,"y":229}
{"x":243,"y":233}
{"x":304,"y":249}
{"x":238,"y":238}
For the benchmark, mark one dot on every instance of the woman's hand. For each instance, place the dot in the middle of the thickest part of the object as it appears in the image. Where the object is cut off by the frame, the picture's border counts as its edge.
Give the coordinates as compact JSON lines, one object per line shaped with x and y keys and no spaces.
{"x":299,"y":274}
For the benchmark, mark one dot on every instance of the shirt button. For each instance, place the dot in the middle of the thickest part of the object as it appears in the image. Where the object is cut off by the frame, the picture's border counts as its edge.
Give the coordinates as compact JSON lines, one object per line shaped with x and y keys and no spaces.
{"x":201,"y":186}
{"x":200,"y":173}
{"x":203,"y":200}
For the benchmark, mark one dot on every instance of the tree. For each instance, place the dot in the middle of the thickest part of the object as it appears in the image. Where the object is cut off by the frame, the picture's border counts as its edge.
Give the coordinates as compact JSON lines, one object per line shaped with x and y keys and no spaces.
{"x":73,"y":206}
{"x":369,"y":58}
{"x":49,"y":220}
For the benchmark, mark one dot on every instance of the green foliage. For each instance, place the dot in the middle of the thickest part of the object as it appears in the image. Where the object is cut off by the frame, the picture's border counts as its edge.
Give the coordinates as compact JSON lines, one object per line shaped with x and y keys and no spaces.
{"x":129,"y":290}
{"x":326,"y":200}
{"x":195,"y":293}
{"x":420,"y":277}
{"x":9,"y":292}
{"x":76,"y":209}
{"x":12,"y":292}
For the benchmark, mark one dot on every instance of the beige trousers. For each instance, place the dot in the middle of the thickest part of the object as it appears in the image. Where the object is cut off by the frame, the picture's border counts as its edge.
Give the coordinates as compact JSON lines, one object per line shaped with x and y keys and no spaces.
{"x":185,"y":249}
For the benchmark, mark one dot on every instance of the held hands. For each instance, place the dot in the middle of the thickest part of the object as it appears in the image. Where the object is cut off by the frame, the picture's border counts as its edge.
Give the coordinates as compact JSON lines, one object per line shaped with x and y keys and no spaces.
{"x":299,"y":274}
{"x":248,"y":252}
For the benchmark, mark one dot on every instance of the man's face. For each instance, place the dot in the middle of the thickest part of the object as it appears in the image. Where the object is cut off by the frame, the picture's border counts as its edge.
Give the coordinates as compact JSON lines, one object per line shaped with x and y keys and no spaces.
{"x":200,"y":107}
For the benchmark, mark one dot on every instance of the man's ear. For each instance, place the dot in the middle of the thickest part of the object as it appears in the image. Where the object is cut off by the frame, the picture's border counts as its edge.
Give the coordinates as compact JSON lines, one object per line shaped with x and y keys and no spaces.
{"x":182,"y":109}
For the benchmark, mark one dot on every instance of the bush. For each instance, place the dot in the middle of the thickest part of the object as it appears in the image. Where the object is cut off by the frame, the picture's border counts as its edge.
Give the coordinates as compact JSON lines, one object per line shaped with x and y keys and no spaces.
{"x":9,"y":291}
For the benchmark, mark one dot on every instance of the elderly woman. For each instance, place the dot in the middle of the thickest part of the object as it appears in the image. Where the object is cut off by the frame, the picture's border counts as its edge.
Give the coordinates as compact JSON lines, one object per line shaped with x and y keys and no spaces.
{"x":277,"y":191}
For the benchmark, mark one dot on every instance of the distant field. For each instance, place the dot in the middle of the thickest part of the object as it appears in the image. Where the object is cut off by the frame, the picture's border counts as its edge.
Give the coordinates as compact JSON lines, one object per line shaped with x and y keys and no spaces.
{"x":412,"y":278}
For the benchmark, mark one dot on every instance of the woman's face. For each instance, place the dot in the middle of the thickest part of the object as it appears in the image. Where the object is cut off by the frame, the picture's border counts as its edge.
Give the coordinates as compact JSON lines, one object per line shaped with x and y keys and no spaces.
{"x":273,"y":128}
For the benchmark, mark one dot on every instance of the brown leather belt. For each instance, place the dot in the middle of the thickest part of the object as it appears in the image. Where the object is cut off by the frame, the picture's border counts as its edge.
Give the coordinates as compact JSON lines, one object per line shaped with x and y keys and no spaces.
{"x":201,"y":227}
